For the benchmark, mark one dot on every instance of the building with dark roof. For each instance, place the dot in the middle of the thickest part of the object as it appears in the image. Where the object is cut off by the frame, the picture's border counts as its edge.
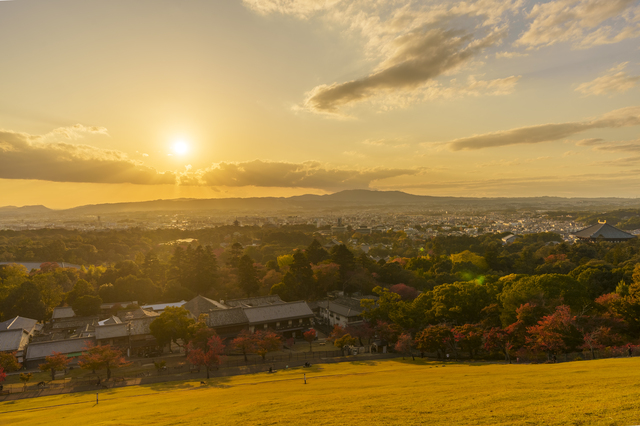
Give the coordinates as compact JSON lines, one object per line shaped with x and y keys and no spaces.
{"x":603,"y":232}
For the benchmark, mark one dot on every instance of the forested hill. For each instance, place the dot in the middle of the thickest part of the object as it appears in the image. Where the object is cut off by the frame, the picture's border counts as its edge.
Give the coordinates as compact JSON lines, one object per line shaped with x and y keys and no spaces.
{"x":342,"y":199}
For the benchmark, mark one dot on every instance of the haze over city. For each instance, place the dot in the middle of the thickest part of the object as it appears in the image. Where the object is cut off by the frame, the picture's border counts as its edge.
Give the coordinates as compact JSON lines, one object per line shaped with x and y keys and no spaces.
{"x":129,"y":101}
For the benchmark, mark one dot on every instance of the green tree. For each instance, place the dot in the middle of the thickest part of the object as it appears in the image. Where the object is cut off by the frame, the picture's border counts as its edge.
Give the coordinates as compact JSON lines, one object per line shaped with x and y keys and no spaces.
{"x":316,"y":253}
{"x":248,"y":276}
{"x":173,"y":325}
{"x":86,"y":306}
{"x":9,"y":362}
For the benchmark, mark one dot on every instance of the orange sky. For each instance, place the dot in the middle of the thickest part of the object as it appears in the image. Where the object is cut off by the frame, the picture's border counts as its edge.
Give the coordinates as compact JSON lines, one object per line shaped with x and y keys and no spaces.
{"x":277,"y":98}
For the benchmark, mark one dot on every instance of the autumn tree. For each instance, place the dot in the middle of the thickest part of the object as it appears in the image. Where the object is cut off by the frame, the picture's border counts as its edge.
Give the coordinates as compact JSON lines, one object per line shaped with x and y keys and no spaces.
{"x":25,"y":378}
{"x":551,"y":332}
{"x":497,"y":339}
{"x":344,"y":341}
{"x":102,"y":357}
{"x":404,"y":345}
{"x":9,"y":362}
{"x":434,"y":338}
{"x":207,"y":355}
{"x":56,"y":362}
{"x":310,"y":336}
{"x":245,"y":342}
{"x":363,"y":332}
{"x":172,"y":326}
{"x":469,"y":337}
{"x":266,"y":341}
{"x":3,"y":375}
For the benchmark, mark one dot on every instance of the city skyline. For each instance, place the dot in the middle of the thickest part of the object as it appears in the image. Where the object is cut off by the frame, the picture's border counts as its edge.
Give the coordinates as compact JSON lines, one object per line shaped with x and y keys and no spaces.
{"x":120,"y":101}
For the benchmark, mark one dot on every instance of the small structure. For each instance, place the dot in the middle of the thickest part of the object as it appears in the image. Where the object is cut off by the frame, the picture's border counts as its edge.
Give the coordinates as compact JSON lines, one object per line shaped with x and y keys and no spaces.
{"x":342,"y":311}
{"x":603,"y":232}
{"x":509,"y":239}
{"x":15,"y":335}
{"x":72,"y":348}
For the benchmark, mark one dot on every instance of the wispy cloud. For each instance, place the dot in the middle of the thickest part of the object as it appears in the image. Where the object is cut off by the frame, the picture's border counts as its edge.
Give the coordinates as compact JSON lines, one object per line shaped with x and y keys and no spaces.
{"x":616,"y":80}
{"x":624,"y":117}
{"x":586,"y":23}
{"x":413,"y":43}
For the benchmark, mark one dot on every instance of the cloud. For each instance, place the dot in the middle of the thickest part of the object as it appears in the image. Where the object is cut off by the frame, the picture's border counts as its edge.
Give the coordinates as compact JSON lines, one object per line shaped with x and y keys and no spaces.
{"x":580,"y":21}
{"x":387,"y":143}
{"x":614,"y":81}
{"x":624,"y":117}
{"x":632,"y":146}
{"x":25,"y":156}
{"x":590,"y":142}
{"x":309,"y":174}
{"x":420,"y":56}
{"x":510,"y":55}
{"x":620,"y":162}
{"x":413,"y":43}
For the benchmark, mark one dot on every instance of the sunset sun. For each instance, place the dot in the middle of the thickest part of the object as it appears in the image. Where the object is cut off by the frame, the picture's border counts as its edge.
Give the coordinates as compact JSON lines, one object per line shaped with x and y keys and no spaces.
{"x":180,"y":148}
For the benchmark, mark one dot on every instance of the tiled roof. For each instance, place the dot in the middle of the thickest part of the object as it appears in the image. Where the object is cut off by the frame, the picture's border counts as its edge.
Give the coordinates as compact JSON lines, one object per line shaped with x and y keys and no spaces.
{"x":126,"y":315}
{"x":13,"y":340}
{"x":603,"y":230}
{"x":201,"y":305}
{"x":111,"y":330}
{"x":225,"y":317}
{"x":60,"y":313}
{"x":68,"y":346}
{"x":255,"y":301}
{"x":18,"y":323}
{"x":262,"y":314}
{"x":163,"y":306}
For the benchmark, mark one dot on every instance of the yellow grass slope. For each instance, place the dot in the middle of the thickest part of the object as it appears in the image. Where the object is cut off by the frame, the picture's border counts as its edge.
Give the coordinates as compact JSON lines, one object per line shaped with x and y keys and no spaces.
{"x":605,"y":392}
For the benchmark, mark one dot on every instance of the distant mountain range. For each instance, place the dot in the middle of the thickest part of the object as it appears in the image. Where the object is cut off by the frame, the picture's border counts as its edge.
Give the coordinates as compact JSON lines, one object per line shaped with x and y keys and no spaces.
{"x":338,"y":200}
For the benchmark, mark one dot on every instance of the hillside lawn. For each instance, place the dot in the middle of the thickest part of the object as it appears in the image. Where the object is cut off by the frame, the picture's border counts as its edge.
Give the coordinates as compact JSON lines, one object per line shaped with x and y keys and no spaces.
{"x":601,"y":392}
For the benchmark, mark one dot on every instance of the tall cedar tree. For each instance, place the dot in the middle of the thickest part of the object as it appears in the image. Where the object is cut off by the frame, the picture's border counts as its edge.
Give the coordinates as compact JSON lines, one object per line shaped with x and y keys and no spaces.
{"x":343,"y":257}
{"x":315,"y":253}
{"x":102,"y":357}
{"x":248,"y":276}
{"x":55,"y":362}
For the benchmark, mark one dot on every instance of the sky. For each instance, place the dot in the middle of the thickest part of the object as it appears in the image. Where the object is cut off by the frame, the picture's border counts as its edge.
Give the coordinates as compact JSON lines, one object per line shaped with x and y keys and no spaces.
{"x":130,"y":100}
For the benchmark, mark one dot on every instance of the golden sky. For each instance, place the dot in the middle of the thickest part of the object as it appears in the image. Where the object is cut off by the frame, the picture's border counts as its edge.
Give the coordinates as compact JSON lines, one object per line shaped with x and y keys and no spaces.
{"x":120,"y":100}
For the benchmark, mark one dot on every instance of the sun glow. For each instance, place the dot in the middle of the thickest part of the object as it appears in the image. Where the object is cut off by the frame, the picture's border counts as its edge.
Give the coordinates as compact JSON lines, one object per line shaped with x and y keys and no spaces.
{"x":180,"y":147}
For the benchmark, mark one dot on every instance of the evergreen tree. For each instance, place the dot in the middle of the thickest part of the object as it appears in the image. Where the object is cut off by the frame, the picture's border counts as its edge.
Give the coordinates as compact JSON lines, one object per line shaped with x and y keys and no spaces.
{"x":248,"y":276}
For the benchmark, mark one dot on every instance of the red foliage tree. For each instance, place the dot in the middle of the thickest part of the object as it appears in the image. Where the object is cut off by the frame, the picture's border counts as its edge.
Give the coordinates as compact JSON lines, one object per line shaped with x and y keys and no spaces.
{"x":499,"y":340}
{"x":267,"y":341}
{"x":404,"y":345}
{"x":362,"y":331}
{"x":207,"y":355}
{"x":55,"y":362}
{"x":434,"y":338}
{"x":102,"y":357}
{"x":245,"y":342}
{"x":406,"y":292}
{"x":3,"y":375}
{"x":336,"y":333}
{"x":549,"y":334}
{"x":387,"y":331}
{"x":310,"y":336}
{"x":469,"y":337}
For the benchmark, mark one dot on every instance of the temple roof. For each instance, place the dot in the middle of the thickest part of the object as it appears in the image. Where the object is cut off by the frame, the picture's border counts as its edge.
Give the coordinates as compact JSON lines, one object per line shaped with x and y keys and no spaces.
{"x":604,"y":231}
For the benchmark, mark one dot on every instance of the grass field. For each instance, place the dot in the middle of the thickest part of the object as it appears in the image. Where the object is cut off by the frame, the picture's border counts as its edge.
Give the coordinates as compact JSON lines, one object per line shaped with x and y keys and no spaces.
{"x":604,"y":392}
